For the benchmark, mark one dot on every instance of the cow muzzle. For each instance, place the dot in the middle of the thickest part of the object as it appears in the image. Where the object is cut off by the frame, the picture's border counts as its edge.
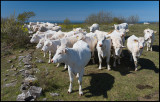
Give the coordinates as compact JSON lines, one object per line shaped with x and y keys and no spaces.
{"x":52,"y":61}
{"x":141,"y":47}
{"x":100,"y":45}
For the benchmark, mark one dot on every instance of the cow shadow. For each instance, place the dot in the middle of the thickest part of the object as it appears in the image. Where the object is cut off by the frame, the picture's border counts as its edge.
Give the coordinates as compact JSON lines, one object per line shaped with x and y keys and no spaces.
{"x":155,"y":48}
{"x":148,"y":64}
{"x":126,"y":66}
{"x":127,"y":36}
{"x":99,"y":85}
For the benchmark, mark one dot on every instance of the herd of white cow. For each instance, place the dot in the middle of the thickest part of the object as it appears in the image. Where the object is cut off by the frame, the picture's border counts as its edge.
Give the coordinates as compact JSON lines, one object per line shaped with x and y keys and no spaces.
{"x":76,"y":48}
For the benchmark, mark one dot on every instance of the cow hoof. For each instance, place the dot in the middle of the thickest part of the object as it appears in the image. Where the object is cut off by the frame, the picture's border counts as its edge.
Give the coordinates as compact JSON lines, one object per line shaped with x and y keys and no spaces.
{"x":136,"y":69}
{"x":109,"y":69}
{"x":48,"y":62}
{"x":69,"y":92}
{"x":81,"y":94}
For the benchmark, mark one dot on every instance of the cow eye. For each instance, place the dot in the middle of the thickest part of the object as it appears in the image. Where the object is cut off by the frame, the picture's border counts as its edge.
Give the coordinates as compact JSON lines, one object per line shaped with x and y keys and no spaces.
{"x":59,"y":53}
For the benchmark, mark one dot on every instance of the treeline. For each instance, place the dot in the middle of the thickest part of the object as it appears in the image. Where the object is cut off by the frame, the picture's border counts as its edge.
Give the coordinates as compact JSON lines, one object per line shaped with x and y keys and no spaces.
{"x":107,"y":18}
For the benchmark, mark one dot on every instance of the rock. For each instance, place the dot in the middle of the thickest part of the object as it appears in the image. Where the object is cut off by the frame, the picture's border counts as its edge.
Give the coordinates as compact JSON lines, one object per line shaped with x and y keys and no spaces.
{"x":7,"y":75}
{"x":36,"y":70}
{"x":10,"y":84}
{"x":44,"y":99}
{"x":30,"y":79}
{"x":59,"y":100}
{"x":24,"y":87}
{"x":36,"y":57}
{"x":54,"y":94}
{"x":5,"y":79}
{"x":20,"y":58}
{"x":21,"y":70}
{"x":12,"y":66}
{"x":20,"y":51}
{"x":35,"y":91}
{"x":27,"y":72}
{"x":26,"y":61}
{"x":16,"y":73}
{"x":13,"y":80}
{"x":21,"y":97}
{"x":14,"y":69}
{"x":39,"y":61}
{"x":9,"y":61}
{"x":14,"y":58}
{"x":25,"y":97}
{"x":28,"y":66}
{"x":29,"y":57}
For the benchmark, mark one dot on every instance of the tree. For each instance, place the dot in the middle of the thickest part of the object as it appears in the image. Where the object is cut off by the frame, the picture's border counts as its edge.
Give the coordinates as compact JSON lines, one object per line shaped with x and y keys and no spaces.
{"x":66,"y":21}
{"x":22,"y":18}
{"x":133,"y":19}
{"x":100,"y":18}
{"x":119,"y":20}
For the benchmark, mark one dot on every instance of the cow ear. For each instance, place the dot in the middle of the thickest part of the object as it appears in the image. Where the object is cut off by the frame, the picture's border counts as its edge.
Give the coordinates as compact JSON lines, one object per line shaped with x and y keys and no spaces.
{"x":57,"y":46}
{"x":123,"y":46}
{"x":135,"y":40}
{"x":65,"y":50}
{"x":155,"y":31}
{"x":107,"y":37}
{"x":127,"y":30}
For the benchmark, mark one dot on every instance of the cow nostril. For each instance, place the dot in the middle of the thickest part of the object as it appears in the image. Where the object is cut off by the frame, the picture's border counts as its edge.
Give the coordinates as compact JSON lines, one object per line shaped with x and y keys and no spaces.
{"x":100,"y":45}
{"x":51,"y":60}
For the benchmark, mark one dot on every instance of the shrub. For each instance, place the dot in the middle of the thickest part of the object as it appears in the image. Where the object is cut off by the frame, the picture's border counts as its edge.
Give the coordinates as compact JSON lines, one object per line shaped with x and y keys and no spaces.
{"x":13,"y":32}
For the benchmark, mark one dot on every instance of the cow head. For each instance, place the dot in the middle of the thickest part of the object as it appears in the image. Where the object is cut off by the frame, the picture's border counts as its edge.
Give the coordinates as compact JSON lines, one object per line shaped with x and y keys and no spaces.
{"x":61,"y":54}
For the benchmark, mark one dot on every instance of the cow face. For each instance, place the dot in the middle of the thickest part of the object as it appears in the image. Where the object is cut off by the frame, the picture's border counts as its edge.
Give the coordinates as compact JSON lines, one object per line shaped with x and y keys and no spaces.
{"x":46,"y":46}
{"x":60,"y":55}
{"x":141,"y":42}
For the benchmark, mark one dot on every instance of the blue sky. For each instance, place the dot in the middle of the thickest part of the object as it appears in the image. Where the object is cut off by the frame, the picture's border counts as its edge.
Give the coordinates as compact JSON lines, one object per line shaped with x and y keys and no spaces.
{"x":79,"y":10}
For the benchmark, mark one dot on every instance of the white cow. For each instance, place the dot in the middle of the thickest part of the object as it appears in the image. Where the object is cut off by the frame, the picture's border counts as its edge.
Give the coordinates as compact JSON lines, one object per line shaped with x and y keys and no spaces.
{"x":94,"y":27}
{"x":91,"y":41}
{"x":51,"y":47}
{"x":104,"y":50}
{"x":117,"y":46}
{"x":135,"y":46}
{"x":35,"y":38}
{"x":149,"y":37}
{"x":121,"y":26}
{"x":76,"y":58}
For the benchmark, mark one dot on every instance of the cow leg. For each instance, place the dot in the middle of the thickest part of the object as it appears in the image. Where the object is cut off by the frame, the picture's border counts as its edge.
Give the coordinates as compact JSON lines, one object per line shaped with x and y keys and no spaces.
{"x":135,"y":62}
{"x":49,"y":57}
{"x":131,"y":57}
{"x":100,"y":61}
{"x":71,"y":80}
{"x":114,"y":63}
{"x":44,"y":54}
{"x":80,"y":82}
{"x":119,"y":61}
{"x":147,"y":46}
{"x":151,"y":46}
{"x":93,"y":58}
{"x":108,"y":60}
{"x":58,"y":65}
{"x":65,"y":66}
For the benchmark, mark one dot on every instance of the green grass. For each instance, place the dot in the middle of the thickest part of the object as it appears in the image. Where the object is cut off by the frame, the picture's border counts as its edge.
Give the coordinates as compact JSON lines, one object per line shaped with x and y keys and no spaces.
{"x":116,"y":85}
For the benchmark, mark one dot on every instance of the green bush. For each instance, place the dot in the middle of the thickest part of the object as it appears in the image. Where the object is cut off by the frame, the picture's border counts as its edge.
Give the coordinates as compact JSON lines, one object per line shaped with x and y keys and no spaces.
{"x":13,"y":32}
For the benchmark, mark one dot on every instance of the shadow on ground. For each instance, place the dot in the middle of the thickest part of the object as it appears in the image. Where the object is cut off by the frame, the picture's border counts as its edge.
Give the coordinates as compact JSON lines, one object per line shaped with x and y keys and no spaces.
{"x":148,"y":64}
{"x":155,"y":48}
{"x":99,"y":85}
